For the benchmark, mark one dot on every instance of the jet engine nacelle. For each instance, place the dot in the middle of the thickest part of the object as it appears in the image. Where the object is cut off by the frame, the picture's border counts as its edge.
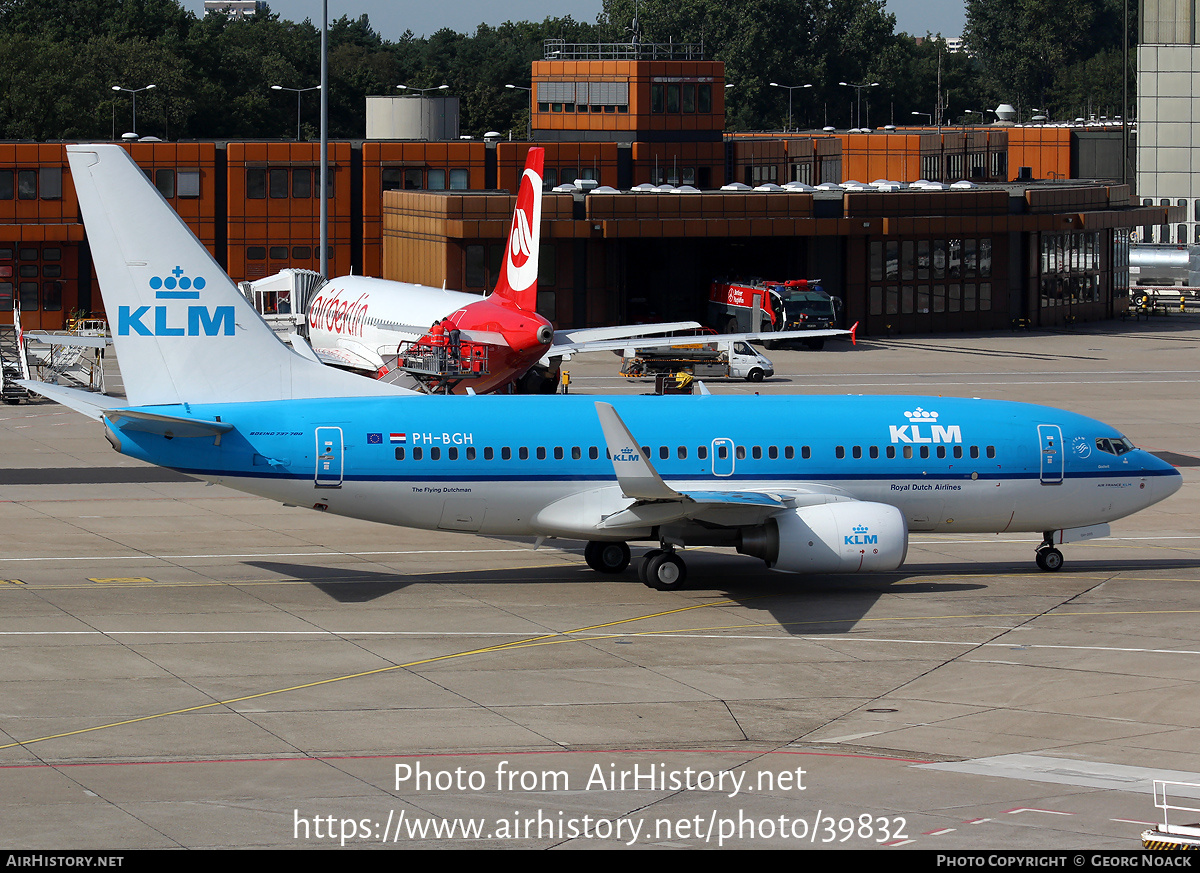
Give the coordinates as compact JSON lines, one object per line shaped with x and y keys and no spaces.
{"x":849,"y":537}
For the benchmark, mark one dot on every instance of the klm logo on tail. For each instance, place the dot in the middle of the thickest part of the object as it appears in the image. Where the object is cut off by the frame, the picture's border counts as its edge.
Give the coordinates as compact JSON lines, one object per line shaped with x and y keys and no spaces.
{"x":171,"y":320}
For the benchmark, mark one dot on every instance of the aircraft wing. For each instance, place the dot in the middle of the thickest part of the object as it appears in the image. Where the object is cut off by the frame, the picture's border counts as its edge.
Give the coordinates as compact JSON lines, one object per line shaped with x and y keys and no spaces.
{"x":348,"y":358}
{"x":656,"y":503}
{"x":683,"y":342}
{"x":69,"y":339}
{"x":567,"y":342}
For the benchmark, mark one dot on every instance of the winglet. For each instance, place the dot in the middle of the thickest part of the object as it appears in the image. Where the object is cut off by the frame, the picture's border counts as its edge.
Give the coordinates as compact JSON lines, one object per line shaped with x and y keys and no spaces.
{"x":518,"y":277}
{"x":637,"y":478}
{"x":853,"y":331}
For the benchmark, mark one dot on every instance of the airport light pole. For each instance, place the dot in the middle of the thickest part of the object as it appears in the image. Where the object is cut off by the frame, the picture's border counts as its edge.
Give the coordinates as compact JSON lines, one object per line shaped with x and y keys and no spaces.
{"x":529,"y":124}
{"x":323,"y":151}
{"x":422,"y":92}
{"x":298,"y":91}
{"x":928,"y":115}
{"x":858,"y":89}
{"x":790,"y":89}
{"x":134,"y":92}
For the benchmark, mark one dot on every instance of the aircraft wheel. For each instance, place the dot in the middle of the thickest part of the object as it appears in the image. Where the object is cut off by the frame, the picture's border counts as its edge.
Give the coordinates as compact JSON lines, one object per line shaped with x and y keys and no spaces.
{"x":815,"y":344}
{"x":666,"y":572}
{"x":644,"y":564}
{"x":755,"y":375}
{"x":606,"y":557}
{"x":1049,"y":559}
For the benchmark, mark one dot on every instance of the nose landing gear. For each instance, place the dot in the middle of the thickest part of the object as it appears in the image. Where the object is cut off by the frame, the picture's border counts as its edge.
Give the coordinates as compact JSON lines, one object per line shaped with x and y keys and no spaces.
{"x":1049,"y":558}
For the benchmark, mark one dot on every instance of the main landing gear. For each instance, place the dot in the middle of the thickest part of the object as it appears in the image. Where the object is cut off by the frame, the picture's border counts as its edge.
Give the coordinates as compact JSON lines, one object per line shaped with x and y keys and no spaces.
{"x":1049,"y":558}
{"x":659,"y":568}
{"x":606,"y":557}
{"x":663,"y":569}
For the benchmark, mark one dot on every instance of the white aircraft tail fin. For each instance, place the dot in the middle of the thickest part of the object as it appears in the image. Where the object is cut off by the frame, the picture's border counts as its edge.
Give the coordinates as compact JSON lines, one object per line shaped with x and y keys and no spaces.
{"x":182,"y":331}
{"x":518,"y":275}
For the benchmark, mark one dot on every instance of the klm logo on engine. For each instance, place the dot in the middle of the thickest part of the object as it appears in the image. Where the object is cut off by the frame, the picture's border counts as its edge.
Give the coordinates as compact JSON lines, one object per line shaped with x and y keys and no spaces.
{"x":861,"y":537}
{"x":922,"y":427}
{"x":177,"y":320}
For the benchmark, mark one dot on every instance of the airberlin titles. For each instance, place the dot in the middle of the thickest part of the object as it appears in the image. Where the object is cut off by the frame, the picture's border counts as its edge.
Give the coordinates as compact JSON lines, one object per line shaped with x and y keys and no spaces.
{"x":196,"y":320}
{"x":337,"y":315}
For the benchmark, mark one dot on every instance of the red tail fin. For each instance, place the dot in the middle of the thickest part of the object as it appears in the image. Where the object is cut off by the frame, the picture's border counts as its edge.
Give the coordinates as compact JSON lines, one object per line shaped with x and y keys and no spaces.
{"x":518,"y":276}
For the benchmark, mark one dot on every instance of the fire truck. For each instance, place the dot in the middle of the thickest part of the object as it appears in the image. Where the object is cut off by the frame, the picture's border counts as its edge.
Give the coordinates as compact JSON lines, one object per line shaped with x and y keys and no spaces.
{"x":749,"y":306}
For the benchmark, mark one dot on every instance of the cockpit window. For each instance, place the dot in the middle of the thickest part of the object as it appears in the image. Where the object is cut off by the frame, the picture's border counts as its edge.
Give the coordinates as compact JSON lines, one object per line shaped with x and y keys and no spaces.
{"x":1114,"y":445}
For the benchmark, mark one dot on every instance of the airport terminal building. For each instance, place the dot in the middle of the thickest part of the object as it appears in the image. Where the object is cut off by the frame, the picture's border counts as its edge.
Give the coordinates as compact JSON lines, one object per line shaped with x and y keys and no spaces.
{"x":1008,"y":227}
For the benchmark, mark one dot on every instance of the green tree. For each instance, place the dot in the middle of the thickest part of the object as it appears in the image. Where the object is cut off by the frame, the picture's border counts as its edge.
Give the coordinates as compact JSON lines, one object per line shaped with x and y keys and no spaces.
{"x":1025,"y":47}
{"x":792,"y":42}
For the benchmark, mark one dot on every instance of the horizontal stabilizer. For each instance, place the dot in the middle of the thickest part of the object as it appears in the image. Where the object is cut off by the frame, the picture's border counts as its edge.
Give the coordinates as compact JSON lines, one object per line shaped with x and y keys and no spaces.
{"x":165,"y":425}
{"x":84,"y":402}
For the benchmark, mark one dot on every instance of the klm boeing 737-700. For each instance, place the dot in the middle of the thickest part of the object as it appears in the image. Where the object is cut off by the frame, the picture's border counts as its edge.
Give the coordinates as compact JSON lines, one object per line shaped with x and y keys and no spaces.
{"x":807,"y":484}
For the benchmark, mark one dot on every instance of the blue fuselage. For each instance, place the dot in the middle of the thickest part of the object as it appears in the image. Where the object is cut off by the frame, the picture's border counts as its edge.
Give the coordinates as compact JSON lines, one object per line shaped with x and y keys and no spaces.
{"x":494,"y":464}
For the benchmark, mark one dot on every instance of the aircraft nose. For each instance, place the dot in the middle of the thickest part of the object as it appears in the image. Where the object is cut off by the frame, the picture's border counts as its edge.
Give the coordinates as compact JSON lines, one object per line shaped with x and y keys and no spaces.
{"x":1165,"y":480}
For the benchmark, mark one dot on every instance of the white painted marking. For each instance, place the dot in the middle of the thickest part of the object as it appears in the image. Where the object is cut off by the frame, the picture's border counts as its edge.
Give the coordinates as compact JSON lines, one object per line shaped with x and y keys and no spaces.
{"x":145,"y":557}
{"x":1064,"y":771}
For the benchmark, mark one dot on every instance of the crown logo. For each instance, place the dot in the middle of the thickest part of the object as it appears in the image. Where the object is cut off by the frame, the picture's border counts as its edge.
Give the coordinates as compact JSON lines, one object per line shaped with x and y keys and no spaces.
{"x":861,"y":528}
{"x":177,"y":286}
{"x":919,"y":416}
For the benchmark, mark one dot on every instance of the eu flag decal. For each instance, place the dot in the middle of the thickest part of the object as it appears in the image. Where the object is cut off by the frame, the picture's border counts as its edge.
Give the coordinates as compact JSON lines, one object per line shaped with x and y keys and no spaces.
{"x":374,"y":439}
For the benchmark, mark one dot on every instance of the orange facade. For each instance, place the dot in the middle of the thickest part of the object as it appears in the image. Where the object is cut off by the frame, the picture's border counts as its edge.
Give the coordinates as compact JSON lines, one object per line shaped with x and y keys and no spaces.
{"x":564,"y":162}
{"x":40,"y":234}
{"x":1045,"y":150}
{"x":42,"y":256}
{"x":255,"y":204}
{"x":629,"y":96}
{"x":273,"y":208}
{"x":412,"y":166}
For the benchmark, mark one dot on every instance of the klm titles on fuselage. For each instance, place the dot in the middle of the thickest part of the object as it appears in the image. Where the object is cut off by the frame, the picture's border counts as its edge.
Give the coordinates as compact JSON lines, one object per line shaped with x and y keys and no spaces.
{"x":920,"y":418}
{"x":169,"y":320}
